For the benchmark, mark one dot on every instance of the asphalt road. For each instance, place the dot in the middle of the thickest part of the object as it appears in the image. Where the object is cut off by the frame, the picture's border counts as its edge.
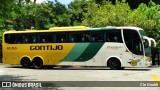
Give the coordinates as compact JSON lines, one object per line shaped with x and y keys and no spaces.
{"x":81,"y":78}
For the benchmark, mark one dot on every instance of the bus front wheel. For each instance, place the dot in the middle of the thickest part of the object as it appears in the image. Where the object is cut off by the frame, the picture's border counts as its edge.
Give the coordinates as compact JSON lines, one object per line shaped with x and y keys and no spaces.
{"x":37,"y":63}
{"x":114,"y":64}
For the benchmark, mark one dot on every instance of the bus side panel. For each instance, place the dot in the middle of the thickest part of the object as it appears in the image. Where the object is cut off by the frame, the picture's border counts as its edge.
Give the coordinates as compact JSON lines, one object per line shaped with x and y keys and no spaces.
{"x":108,"y":50}
{"x":56,"y":56}
{"x":11,"y":54}
{"x":74,"y":56}
{"x":97,"y":54}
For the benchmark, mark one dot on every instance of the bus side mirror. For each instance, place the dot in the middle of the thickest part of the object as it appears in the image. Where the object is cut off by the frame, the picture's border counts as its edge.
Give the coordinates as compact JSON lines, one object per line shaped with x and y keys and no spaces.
{"x":146,"y":43}
{"x":153,"y":42}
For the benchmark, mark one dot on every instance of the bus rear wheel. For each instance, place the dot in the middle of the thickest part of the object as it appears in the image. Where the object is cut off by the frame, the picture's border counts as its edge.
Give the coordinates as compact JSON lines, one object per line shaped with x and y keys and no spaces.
{"x":37,"y":63}
{"x":114,"y":64}
{"x":25,"y":62}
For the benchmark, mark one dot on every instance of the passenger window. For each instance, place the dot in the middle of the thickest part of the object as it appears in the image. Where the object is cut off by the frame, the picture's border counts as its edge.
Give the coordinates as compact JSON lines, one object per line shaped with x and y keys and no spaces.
{"x":61,"y":38}
{"x":13,"y":38}
{"x":86,"y":36}
{"x":30,"y":38}
{"x":97,"y":36}
{"x":46,"y":38}
{"x":113,"y":36}
{"x":76,"y":37}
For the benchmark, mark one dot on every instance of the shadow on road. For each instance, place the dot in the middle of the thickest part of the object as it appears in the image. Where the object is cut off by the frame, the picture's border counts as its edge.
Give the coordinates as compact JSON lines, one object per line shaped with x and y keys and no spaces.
{"x":10,"y":78}
{"x":82,"y":68}
{"x":19,"y":79}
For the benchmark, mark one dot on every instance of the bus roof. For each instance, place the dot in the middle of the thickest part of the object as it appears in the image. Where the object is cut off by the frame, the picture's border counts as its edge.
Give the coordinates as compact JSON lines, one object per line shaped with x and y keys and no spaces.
{"x":129,"y":27}
{"x":74,"y":28}
{"x":69,"y":28}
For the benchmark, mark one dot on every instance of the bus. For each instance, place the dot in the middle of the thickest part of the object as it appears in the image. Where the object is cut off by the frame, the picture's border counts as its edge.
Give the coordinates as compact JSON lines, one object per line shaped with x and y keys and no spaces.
{"x":114,"y":47}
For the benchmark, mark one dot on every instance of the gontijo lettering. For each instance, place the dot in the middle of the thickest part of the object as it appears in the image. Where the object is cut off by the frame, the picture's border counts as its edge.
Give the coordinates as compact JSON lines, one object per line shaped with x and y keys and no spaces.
{"x":46,"y":47}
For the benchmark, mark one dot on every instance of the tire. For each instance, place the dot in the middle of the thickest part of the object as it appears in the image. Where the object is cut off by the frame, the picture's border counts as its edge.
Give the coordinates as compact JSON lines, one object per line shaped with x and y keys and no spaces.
{"x":37,"y":63}
{"x":25,"y":63}
{"x":114,"y":64}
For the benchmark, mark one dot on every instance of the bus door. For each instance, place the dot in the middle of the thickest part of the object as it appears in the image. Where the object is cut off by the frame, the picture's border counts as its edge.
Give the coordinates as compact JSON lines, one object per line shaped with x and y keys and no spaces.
{"x":138,"y":53}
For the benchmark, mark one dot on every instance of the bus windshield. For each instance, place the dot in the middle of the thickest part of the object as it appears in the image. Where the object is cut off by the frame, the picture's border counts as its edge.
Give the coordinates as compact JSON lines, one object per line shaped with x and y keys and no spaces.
{"x":147,"y":47}
{"x":142,"y":33}
{"x":148,"y":43}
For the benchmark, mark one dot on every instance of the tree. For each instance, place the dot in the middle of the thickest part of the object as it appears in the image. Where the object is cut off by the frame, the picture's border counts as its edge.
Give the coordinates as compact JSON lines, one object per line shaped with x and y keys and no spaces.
{"x":135,"y":3}
{"x":113,"y":1}
{"x":156,"y":1}
{"x":106,"y":14}
{"x":61,"y":14}
{"x":27,"y":14}
{"x":146,"y":17}
{"x":77,"y":9}
{"x":132,"y":3}
{"x":5,"y":9}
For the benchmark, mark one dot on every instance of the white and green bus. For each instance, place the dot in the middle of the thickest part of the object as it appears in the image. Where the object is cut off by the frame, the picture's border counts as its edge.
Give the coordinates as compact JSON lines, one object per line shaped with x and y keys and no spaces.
{"x":114,"y":47}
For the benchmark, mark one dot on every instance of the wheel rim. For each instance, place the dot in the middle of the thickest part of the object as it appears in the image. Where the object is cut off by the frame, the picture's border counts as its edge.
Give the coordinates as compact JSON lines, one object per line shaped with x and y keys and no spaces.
{"x":115,"y":63}
{"x":26,"y":64}
{"x":37,"y":64}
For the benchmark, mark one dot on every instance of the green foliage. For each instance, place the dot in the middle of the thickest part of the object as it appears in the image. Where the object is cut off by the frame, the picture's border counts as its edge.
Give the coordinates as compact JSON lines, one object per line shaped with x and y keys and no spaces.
{"x":106,"y":15}
{"x":77,"y":9}
{"x":61,"y":15}
{"x":147,"y":17}
{"x":24,"y":14}
{"x":120,"y":14}
{"x":6,"y":6}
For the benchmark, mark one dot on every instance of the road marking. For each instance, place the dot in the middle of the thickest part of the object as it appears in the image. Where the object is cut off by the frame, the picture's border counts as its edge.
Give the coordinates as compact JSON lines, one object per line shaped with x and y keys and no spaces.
{"x":155,"y":77}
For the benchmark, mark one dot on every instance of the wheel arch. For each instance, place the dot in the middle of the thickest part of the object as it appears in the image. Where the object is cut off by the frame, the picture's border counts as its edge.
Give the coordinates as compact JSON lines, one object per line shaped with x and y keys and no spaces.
{"x":25,"y":57}
{"x":39,"y":57}
{"x":37,"y":62}
{"x":31,"y":59}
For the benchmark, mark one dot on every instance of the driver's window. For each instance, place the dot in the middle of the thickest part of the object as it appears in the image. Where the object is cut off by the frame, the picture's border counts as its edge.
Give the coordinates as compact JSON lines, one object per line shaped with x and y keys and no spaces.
{"x":146,"y":47}
{"x":146,"y":43}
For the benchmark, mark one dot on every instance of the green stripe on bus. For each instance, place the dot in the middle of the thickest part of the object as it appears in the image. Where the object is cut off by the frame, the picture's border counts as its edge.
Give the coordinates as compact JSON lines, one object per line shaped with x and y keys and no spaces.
{"x":98,"y":29}
{"x":90,"y":51}
{"x":76,"y":51}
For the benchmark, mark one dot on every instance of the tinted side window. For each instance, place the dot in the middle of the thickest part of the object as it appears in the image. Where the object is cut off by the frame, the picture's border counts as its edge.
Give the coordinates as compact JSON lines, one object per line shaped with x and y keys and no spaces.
{"x":76,"y":37}
{"x":8,"y":38}
{"x":113,"y":36}
{"x":46,"y":37}
{"x":83,"y":36}
{"x":97,"y":36}
{"x":21,"y":38}
{"x":86,"y":36}
{"x":13,"y":38}
{"x":30,"y":37}
{"x":61,"y":37}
